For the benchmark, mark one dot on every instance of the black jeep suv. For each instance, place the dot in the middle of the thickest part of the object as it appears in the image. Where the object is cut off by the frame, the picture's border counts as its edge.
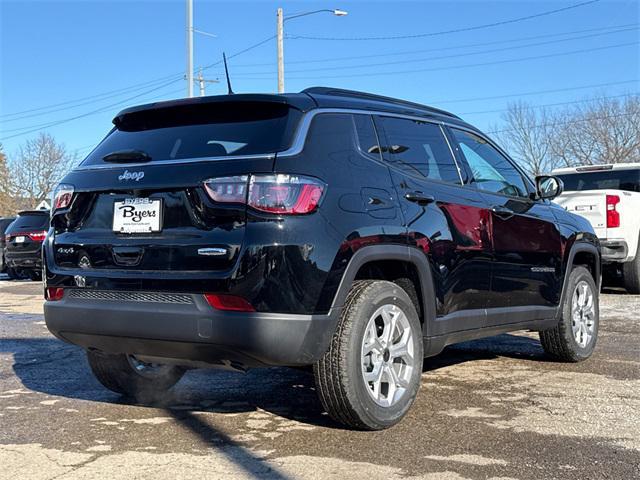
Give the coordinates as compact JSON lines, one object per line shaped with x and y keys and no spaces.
{"x":345,"y":231}
{"x":23,"y":244}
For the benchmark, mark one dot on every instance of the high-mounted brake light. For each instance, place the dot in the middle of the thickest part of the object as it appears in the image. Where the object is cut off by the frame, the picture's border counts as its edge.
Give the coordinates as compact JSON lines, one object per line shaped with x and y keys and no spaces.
{"x":232,"y":303}
{"x":613,"y":216}
{"x":62,"y":196}
{"x":594,"y":168}
{"x":282,"y":194}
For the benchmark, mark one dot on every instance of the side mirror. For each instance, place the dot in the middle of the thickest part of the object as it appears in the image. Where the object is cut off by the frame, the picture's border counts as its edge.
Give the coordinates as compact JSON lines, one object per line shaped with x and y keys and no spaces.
{"x":549,"y":187}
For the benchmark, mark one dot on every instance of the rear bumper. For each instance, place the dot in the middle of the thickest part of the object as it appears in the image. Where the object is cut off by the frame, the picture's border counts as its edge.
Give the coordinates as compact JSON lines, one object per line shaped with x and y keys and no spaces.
{"x":614,"y":250}
{"x":185,"y":328}
{"x":26,"y":260}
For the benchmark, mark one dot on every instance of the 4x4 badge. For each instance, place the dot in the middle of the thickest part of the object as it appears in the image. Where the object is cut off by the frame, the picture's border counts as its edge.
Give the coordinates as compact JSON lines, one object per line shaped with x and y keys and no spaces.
{"x":127,"y":175}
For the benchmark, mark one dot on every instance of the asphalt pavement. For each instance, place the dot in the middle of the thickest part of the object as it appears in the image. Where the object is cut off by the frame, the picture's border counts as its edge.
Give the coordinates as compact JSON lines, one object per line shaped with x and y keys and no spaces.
{"x":493,"y":408}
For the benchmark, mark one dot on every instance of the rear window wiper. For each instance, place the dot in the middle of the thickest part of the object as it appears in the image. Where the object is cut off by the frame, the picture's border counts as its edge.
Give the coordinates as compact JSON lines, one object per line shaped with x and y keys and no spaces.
{"x":123,"y":156}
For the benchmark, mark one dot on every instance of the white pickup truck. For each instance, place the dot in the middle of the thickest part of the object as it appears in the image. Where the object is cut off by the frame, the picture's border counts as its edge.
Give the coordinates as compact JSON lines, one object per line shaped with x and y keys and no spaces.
{"x":609,"y":197}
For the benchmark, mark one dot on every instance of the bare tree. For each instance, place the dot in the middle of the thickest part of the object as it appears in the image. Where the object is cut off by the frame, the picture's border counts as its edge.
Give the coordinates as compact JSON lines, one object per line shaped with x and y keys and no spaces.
{"x":527,"y":137}
{"x":7,"y":203}
{"x":38,"y":167}
{"x":603,"y":130}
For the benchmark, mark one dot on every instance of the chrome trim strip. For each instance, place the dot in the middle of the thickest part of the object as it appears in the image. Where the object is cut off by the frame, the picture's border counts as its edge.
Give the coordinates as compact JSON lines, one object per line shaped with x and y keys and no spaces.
{"x":213,"y":251}
{"x":268,"y":156}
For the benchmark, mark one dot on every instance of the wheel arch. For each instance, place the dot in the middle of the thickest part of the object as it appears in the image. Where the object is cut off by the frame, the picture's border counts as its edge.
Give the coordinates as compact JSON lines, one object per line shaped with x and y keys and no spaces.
{"x":587,"y":255}
{"x":378,"y":254}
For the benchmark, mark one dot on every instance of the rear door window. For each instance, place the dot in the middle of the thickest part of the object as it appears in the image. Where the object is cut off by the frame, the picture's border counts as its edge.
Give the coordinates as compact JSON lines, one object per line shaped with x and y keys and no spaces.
{"x":418,"y":148}
{"x":202,"y":130}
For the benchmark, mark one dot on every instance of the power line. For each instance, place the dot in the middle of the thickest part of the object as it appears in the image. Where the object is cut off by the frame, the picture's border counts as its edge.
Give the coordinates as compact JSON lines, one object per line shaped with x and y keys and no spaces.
{"x":35,"y":128}
{"x":537,"y":92}
{"x":468,"y":65}
{"x":109,"y":94}
{"x":71,"y":107}
{"x":437,"y":49}
{"x":456,"y":30}
{"x":444,"y":57}
{"x":124,"y":90}
{"x":229,"y":57}
{"x":633,"y":94}
{"x":571,"y":122}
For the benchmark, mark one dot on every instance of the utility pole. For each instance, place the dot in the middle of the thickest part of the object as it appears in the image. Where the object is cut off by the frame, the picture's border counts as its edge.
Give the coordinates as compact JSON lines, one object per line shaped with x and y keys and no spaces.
{"x":189,"y":48}
{"x":203,"y":81}
{"x":280,"y":36}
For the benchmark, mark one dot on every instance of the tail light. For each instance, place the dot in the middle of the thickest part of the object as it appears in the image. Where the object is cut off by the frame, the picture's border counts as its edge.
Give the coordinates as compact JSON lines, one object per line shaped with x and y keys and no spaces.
{"x":62,"y":196}
{"x":613,"y":216}
{"x":37,"y":236}
{"x":281,"y":194}
{"x":226,"y":302}
{"x":228,"y":189}
{"x":53,"y":294}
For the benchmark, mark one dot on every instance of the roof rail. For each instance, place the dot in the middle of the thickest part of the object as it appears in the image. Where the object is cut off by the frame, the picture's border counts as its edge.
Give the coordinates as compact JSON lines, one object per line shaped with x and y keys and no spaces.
{"x":372,"y":96}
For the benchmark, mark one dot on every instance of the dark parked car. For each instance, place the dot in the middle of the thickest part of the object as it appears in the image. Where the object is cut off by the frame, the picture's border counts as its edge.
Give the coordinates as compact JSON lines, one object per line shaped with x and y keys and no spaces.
{"x":347,"y":231}
{"x":23,"y":238}
{"x":4,"y":223}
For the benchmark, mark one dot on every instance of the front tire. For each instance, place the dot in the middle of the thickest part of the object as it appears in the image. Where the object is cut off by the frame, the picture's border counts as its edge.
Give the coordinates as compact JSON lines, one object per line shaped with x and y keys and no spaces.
{"x":574,"y":338}
{"x":370,"y":375}
{"x":128,"y":376}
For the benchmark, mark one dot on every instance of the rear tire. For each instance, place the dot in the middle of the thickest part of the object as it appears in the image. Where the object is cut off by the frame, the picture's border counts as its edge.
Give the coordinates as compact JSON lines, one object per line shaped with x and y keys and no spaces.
{"x":370,"y":375}
{"x":575,"y":336}
{"x":631,"y":274}
{"x":126,"y":375}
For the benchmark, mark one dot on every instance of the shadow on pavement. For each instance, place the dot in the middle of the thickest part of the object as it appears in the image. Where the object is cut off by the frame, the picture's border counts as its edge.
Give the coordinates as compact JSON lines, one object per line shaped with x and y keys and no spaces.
{"x":50,"y":366}
{"x":236,"y":453}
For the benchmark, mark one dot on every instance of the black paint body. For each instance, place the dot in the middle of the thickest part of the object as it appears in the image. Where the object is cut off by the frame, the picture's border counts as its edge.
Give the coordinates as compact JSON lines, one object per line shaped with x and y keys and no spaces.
{"x":478,"y":272}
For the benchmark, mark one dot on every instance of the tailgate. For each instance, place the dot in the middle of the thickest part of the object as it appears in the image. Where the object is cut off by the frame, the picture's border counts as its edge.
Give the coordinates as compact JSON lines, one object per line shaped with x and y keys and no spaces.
{"x":590,"y":204}
{"x":183,"y":228}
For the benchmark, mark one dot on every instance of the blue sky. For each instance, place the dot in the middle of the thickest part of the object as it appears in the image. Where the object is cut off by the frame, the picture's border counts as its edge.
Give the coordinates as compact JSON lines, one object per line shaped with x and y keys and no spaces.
{"x":118,"y":53}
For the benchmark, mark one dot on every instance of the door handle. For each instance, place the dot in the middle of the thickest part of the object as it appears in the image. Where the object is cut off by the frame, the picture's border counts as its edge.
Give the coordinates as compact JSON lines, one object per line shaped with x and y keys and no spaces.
{"x":502,"y":212}
{"x":420,"y":198}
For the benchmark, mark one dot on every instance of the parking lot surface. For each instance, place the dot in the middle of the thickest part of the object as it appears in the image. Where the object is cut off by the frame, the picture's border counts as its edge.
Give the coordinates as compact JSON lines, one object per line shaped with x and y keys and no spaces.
{"x":493,"y":408}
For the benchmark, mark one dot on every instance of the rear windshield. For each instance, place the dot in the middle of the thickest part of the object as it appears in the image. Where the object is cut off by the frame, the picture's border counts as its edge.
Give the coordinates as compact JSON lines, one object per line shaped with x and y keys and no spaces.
{"x":628,"y":180}
{"x":202,"y":130}
{"x":29,"y":222}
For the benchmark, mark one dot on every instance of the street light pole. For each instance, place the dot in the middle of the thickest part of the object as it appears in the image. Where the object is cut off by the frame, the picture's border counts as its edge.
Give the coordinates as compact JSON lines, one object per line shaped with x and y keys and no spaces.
{"x":280,"y":37}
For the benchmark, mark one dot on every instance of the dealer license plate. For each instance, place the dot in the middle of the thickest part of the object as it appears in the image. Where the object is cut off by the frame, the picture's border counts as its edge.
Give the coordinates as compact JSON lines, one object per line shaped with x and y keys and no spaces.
{"x":137,"y":215}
